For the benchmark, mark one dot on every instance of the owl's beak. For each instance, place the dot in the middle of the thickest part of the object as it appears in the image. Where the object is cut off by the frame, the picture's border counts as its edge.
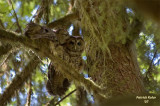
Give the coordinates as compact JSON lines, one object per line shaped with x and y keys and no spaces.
{"x":75,"y":47}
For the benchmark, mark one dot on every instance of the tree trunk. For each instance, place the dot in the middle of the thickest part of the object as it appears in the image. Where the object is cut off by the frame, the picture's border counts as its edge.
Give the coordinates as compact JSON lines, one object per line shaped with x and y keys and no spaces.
{"x":120,"y":74}
{"x":111,"y":56}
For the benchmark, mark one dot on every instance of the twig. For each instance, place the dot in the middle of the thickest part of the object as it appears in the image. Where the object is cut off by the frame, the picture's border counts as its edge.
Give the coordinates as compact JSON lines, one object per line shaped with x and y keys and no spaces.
{"x":151,"y":64}
{"x":65,"y":97}
{"x":17,"y":22}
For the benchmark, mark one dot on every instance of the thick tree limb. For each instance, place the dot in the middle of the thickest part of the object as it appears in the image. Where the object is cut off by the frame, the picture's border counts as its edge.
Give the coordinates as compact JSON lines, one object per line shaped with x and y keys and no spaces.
{"x":66,"y":69}
{"x":18,"y":81}
{"x":64,"y":21}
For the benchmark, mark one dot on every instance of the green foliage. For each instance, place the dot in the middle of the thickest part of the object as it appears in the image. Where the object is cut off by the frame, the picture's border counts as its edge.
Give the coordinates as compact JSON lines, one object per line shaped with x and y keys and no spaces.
{"x":148,"y":58}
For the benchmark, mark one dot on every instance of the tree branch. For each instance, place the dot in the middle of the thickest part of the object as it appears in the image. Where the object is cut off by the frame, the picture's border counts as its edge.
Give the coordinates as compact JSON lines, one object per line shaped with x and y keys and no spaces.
{"x":66,"y":69}
{"x":151,"y":64}
{"x":17,"y":22}
{"x":29,"y":93}
{"x":18,"y":81}
{"x":64,"y":21}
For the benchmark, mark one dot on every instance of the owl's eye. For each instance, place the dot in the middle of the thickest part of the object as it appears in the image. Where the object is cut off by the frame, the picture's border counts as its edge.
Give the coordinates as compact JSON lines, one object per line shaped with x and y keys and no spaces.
{"x":71,"y":43}
{"x":46,"y":30}
{"x":79,"y":43}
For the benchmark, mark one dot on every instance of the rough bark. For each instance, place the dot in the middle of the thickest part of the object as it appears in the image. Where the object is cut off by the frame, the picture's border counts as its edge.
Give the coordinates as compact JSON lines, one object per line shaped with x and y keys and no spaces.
{"x":120,"y":75}
{"x":111,"y":59}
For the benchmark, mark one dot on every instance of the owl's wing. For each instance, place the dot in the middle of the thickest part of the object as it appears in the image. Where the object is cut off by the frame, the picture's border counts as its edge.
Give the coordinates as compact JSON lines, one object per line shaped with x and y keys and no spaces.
{"x":56,"y":84}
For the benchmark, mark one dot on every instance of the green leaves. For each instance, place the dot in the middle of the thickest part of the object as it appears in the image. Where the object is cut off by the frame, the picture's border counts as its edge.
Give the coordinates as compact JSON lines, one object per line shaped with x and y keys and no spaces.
{"x":4,"y":8}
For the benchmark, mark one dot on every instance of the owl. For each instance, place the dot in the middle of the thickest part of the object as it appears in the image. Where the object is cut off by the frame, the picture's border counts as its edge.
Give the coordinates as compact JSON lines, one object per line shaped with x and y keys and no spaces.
{"x":73,"y":49}
{"x":68,"y":48}
{"x":70,"y":51}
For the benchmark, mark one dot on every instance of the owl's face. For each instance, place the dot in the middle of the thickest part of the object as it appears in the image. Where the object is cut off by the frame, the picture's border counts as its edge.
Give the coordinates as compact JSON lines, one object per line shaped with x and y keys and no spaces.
{"x":74,"y":45}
